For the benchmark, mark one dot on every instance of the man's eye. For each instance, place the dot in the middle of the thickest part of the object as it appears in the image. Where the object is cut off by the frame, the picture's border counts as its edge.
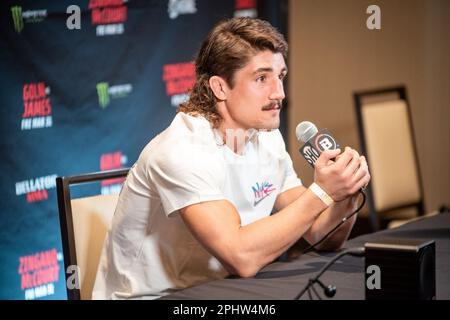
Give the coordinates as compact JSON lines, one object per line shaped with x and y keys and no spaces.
{"x":261,"y":79}
{"x":282,"y":76}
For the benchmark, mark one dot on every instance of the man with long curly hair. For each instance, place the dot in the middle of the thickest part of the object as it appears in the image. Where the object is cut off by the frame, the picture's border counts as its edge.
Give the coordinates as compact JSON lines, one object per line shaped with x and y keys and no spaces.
{"x":216,"y":193}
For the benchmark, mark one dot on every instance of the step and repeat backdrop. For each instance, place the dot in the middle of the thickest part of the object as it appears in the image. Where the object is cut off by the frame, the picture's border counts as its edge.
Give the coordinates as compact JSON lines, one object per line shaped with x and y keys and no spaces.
{"x":84,"y":86}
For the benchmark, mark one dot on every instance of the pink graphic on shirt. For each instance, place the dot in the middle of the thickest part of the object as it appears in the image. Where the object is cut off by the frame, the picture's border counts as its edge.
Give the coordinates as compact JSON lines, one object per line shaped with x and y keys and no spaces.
{"x":262,"y":191}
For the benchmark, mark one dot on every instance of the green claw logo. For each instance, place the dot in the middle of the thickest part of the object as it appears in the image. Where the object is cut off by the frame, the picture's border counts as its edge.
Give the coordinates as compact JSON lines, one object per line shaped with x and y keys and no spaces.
{"x":103,"y":95}
{"x":16,"y":12}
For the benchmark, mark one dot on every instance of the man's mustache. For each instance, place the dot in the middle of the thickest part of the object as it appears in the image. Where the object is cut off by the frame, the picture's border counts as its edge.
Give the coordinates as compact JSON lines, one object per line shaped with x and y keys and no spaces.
{"x":273,"y":105}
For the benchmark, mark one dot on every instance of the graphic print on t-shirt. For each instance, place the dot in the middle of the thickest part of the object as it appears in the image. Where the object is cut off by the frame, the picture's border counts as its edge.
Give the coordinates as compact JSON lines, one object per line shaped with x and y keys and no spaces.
{"x":262,"y":191}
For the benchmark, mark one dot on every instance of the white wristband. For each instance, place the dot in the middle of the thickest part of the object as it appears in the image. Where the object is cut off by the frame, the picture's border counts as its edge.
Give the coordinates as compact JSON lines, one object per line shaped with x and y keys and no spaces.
{"x":321,"y":194}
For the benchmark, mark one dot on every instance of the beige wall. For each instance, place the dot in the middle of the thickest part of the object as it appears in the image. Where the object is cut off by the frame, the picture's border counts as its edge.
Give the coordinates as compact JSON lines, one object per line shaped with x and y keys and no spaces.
{"x":332,"y":53}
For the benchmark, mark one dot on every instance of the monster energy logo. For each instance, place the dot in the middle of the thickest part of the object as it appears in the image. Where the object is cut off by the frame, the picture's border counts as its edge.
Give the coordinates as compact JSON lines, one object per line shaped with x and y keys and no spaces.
{"x":103,"y":95}
{"x":17,"y":18}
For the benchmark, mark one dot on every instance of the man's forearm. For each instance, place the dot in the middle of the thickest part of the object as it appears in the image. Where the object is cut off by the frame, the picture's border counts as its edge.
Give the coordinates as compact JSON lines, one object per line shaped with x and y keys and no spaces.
{"x":266,"y":239}
{"x":330,"y":218}
{"x":338,"y":238}
{"x":244,"y":250}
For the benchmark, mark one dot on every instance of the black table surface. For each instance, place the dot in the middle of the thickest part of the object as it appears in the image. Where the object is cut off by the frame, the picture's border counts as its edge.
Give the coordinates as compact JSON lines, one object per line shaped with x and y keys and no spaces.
{"x":284,"y":280}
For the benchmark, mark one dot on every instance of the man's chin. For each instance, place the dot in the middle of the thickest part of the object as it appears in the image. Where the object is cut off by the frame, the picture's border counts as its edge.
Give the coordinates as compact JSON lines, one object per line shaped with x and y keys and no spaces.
{"x":269,"y":127}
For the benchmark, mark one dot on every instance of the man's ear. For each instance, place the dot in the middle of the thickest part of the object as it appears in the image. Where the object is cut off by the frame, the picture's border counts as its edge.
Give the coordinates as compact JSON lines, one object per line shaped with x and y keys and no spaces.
{"x":219,"y":87}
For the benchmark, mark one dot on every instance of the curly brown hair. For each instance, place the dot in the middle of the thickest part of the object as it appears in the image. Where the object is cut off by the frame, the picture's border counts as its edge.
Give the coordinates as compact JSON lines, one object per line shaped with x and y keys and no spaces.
{"x":228,"y":47}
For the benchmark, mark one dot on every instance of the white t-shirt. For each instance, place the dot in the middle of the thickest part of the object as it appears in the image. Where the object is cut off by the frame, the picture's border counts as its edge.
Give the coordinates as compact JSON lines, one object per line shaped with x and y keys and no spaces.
{"x":149,"y":250}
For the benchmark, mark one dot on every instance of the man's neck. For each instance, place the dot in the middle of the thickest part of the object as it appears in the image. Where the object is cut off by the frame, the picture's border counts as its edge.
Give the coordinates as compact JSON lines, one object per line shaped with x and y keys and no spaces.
{"x":232,"y":133}
{"x":235,"y":137}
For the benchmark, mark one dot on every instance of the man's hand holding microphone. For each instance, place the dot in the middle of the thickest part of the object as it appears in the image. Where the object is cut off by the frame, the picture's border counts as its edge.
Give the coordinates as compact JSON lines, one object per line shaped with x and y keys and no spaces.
{"x":341,"y":175}
{"x":337,"y":175}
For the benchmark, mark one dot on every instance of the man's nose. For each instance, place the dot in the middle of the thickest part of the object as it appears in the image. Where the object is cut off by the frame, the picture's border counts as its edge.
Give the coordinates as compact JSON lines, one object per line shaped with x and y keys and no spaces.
{"x":277,"y":90}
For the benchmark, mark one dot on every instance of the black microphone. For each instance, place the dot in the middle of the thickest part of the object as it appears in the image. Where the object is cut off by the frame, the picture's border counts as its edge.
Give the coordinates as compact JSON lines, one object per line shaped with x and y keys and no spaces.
{"x":315,"y":141}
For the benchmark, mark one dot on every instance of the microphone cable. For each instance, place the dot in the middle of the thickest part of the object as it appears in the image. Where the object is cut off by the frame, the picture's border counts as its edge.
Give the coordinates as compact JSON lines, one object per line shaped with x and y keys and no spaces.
{"x":330,"y":290}
{"x":311,"y":247}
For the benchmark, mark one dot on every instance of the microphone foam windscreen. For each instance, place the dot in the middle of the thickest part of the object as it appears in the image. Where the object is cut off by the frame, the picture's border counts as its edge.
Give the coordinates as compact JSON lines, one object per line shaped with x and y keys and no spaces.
{"x":305,"y":130}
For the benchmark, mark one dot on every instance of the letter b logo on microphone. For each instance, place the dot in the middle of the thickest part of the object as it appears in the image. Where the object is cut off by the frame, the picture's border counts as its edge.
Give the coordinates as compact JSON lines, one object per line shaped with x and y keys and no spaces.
{"x":325,"y":142}
{"x":322,"y":141}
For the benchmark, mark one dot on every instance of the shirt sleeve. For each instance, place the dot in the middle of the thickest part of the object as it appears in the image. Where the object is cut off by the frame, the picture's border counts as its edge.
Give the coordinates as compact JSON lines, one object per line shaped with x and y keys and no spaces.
{"x":185,"y":178}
